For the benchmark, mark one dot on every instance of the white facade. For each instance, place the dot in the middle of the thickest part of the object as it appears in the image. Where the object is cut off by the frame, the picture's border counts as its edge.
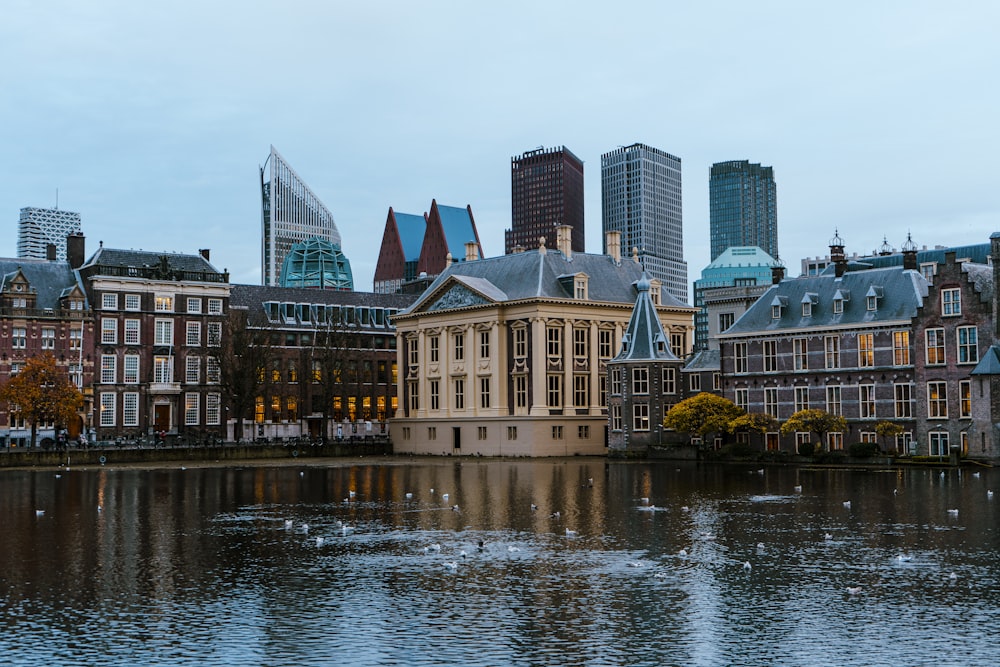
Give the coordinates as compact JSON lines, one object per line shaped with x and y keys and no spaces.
{"x":38,"y":227}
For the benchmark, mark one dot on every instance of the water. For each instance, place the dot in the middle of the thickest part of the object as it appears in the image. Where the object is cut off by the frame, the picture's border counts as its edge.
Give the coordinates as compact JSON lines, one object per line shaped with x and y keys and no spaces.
{"x":722,"y":566}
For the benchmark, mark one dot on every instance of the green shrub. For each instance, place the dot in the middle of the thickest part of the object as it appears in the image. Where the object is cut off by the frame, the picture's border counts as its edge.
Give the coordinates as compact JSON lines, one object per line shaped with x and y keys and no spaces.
{"x":806,"y":449}
{"x":863,"y":450}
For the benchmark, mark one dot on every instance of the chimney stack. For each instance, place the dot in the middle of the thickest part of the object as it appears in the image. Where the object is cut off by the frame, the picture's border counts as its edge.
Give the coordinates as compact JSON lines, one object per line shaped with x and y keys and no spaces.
{"x":471,"y":252}
{"x":995,"y":260}
{"x":837,"y":255}
{"x":75,"y":250}
{"x":613,"y":242}
{"x":50,"y":252}
{"x":564,"y":235}
{"x":910,"y":254}
{"x":206,"y":252}
{"x":777,"y":274}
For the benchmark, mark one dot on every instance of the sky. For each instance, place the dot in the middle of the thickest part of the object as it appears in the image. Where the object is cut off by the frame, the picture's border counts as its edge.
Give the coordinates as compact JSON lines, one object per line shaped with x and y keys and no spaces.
{"x":880,"y":118}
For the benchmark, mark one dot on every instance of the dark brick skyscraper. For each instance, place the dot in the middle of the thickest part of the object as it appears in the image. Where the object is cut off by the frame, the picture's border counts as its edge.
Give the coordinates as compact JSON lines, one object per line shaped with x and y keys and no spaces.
{"x":546,"y":191}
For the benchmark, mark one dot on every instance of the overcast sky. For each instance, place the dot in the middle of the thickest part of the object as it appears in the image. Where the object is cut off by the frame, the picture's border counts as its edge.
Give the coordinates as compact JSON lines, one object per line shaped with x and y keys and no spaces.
{"x":151,"y":119}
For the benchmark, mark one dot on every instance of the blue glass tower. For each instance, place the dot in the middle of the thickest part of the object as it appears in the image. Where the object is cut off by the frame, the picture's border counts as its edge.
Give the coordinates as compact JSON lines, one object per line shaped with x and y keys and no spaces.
{"x":743,"y":208}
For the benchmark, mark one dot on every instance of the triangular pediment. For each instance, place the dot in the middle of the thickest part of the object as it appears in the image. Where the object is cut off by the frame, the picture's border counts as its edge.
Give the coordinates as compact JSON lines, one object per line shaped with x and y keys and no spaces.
{"x":462,"y":292}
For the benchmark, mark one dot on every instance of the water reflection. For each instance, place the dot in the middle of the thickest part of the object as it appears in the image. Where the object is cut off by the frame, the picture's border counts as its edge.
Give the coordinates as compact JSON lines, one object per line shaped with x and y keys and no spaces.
{"x":576,"y":561}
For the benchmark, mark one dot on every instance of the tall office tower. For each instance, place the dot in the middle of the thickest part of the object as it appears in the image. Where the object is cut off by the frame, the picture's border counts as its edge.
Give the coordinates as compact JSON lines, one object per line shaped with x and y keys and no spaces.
{"x":40,"y":227}
{"x":290,"y":214}
{"x":641,"y":198}
{"x":743,"y":208}
{"x":546,"y":187}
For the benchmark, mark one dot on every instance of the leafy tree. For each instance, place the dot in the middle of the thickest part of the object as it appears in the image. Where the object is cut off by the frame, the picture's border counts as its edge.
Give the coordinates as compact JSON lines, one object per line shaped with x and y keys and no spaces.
{"x":42,"y":392}
{"x":887,"y":430}
{"x":758,"y":422}
{"x":702,"y":414}
{"x":815,"y":421}
{"x":341,"y":369}
{"x":245,"y":353}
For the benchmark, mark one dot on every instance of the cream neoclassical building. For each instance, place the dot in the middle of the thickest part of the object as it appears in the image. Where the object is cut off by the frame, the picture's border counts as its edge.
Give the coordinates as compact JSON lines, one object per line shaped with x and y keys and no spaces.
{"x":506,"y":356}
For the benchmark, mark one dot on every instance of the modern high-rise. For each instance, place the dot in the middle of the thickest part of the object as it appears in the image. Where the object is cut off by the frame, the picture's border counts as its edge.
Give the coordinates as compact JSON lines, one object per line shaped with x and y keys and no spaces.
{"x":290,"y":214}
{"x":41,"y":227}
{"x":641,"y":198}
{"x":546,"y":187}
{"x":743,"y":208}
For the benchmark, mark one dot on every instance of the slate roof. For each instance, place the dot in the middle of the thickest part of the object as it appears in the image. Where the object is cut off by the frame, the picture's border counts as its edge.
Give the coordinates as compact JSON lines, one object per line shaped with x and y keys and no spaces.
{"x":704,"y":360}
{"x":254,"y":296}
{"x":48,"y":279}
{"x":981,"y":276}
{"x":535,"y":275}
{"x":902,"y":292}
{"x":644,"y":339}
{"x":143,"y":258}
{"x":978,"y":253}
{"x":990,"y":363}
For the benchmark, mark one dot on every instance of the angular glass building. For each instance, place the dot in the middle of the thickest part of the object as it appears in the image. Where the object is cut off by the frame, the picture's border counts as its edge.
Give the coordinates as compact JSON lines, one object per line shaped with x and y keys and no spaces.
{"x":318,"y":264}
{"x":38,"y":227}
{"x":290,"y":214}
{"x":641,"y":198}
{"x":743,"y":210}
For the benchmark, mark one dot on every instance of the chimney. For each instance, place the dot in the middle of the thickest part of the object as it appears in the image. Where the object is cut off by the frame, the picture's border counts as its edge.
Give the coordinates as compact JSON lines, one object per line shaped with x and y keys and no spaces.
{"x":447,"y":260}
{"x":837,"y":255}
{"x":613,"y":242}
{"x":564,"y":235}
{"x":909,"y":254}
{"x":206,"y":253}
{"x":75,"y":250}
{"x":50,"y":252}
{"x":777,"y":273}
{"x":471,"y":253}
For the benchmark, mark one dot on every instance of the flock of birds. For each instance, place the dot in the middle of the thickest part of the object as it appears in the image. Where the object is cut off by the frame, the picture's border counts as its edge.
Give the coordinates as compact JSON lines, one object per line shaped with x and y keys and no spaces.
{"x":645,"y":505}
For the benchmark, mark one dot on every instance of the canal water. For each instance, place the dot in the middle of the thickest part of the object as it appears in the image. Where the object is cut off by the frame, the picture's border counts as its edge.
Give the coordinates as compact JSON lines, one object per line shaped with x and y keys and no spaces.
{"x":478,"y":562}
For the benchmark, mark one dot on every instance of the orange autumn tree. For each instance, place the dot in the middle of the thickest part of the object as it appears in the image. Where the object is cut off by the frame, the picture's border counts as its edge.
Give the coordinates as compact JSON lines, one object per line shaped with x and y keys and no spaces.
{"x":42,"y":392}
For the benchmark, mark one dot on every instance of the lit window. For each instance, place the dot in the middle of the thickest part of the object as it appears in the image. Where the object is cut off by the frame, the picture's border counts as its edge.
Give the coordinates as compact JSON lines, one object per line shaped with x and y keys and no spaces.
{"x":937,"y":400}
{"x":191,"y":404}
{"x":901,"y":348}
{"x":934,"y":346}
{"x":866,"y":350}
{"x":164,"y":304}
{"x":164,"y":332}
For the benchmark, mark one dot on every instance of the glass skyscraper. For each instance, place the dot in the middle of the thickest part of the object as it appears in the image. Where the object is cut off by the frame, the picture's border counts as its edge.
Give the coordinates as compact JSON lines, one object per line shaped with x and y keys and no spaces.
{"x":290,"y":214}
{"x":641,"y":198}
{"x":38,"y":227}
{"x":743,"y":208}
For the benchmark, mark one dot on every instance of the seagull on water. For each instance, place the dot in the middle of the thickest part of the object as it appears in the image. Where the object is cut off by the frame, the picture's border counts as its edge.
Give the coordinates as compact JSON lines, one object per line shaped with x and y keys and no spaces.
{"x":454,"y":508}
{"x":444,"y":496}
{"x":847,"y":504}
{"x":554,"y":515}
{"x":319,"y":541}
{"x":827,"y":536}
{"x":989,"y":495}
{"x":512,"y":549}
{"x":853,"y":590}
{"x":39,"y":512}
{"x":409,"y":496}
{"x":288,"y":524}
{"x":570,"y":533}
{"x":747,"y":566}
{"x":682,"y":553}
{"x":953,"y":512}
{"x":534,"y":507}
{"x":798,"y":488}
{"x":645,"y":501}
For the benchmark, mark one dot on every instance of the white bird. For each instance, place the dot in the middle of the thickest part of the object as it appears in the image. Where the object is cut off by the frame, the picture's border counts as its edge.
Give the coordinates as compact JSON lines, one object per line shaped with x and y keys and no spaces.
{"x":570,"y":533}
{"x":288,"y":524}
{"x":319,"y":541}
{"x":942,"y":473}
{"x":432,"y":492}
{"x":58,"y":476}
{"x":989,"y":495}
{"x":953,"y":576}
{"x":454,"y":508}
{"x":895,"y":492}
{"x":305,"y":528}
{"x":444,"y":496}
{"x":953,"y":512}
{"x":462,"y":553}
{"x":635,"y":563}
{"x":976,"y":475}
{"x":554,"y":515}
{"x":682,"y":553}
{"x":645,"y":501}
{"x":853,"y":590}
{"x":827,"y":536}
{"x":904,"y":558}
{"x":760,"y":472}
{"x":685,"y":508}
{"x":435,"y":547}
{"x":409,"y":496}
{"x":351,"y":494}
{"x":344,"y":528}
{"x":707,"y":536}
{"x":99,"y":508}
{"x":534,"y":507}
{"x":760,"y":546}
{"x":302,"y":474}
{"x":747,"y":566}
{"x":451,"y":565}
{"x":39,"y":512}
{"x":798,"y":489}
{"x":660,"y":575}
{"x":847,"y":504}
{"x":512,"y":549}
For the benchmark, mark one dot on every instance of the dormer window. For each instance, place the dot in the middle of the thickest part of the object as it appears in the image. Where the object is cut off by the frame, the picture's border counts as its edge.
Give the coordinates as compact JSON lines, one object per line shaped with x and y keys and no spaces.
{"x":808,"y":301}
{"x":654,"y":291}
{"x":777,"y":304}
{"x":839,"y":297}
{"x":872,"y":297}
